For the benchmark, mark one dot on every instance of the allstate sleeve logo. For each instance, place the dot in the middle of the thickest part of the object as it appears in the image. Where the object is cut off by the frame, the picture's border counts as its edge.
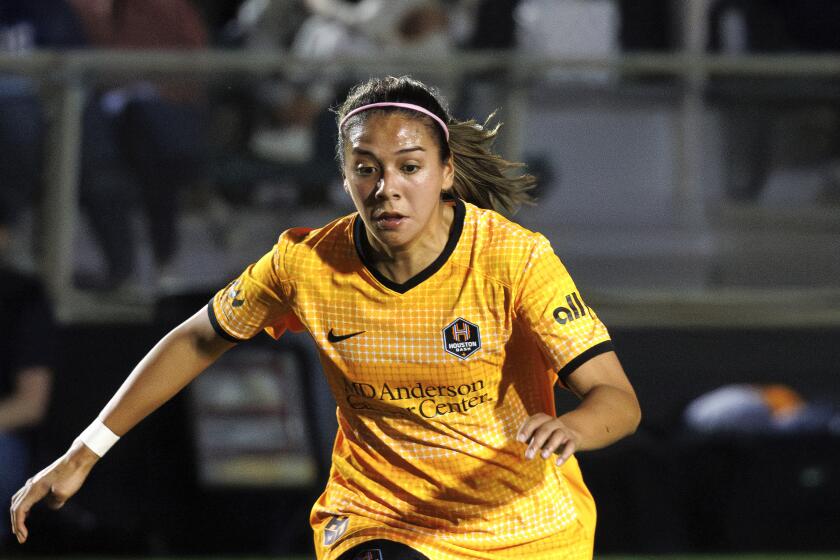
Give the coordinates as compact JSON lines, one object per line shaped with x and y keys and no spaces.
{"x":574,"y":310}
{"x":461,"y":338}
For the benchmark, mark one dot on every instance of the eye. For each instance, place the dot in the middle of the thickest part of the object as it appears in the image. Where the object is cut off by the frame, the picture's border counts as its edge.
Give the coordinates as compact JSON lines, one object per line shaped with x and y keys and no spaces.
{"x":411,"y":168}
{"x":365,"y":170}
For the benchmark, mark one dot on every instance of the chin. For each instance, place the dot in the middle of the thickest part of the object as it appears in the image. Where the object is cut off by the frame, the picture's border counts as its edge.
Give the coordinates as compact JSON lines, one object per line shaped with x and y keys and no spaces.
{"x":392,"y":239}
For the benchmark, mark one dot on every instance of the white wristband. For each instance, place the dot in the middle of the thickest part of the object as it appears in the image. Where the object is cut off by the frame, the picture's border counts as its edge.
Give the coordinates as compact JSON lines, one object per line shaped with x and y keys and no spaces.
{"x":98,"y":438}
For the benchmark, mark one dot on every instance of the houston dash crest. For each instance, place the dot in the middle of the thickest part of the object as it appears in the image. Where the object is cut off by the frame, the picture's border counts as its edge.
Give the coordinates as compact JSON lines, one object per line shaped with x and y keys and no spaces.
{"x":461,"y":338}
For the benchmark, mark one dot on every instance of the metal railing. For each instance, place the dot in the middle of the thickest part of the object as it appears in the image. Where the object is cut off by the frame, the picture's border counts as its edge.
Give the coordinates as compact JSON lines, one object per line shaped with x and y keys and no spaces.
{"x":64,"y":77}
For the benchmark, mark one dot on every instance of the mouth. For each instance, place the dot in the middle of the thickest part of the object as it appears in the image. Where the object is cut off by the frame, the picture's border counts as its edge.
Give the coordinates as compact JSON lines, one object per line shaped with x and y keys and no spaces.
{"x":388,"y":220}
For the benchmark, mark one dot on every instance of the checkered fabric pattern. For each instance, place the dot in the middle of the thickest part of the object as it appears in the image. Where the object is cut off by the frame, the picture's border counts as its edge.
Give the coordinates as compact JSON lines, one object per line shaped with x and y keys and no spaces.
{"x":432,"y":384}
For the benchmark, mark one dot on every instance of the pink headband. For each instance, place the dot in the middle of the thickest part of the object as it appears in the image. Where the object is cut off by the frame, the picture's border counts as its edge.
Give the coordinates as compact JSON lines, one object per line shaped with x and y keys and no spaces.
{"x":410,"y":106}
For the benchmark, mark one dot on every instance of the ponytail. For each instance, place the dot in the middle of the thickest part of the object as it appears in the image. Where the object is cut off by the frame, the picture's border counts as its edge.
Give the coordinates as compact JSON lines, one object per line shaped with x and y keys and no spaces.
{"x":483,"y":177}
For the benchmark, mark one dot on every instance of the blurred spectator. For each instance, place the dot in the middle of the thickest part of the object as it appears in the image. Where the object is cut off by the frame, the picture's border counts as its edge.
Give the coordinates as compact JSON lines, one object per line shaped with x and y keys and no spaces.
{"x":280,"y":118}
{"x":266,"y":24}
{"x":288,"y":127}
{"x":494,"y":26}
{"x":759,"y":409}
{"x":490,"y":25}
{"x":741,"y":26}
{"x":775,"y":128}
{"x":775,"y":26}
{"x":814,"y":26}
{"x":143,"y":139}
{"x":25,"y":26}
{"x":569,"y":28}
{"x":339,"y":28}
{"x":26,"y":371}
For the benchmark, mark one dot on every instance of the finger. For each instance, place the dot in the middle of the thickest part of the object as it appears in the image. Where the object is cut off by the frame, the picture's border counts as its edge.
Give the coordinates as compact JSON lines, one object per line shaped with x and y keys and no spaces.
{"x":530,"y":425}
{"x":19,"y":524}
{"x":14,"y":509}
{"x":31,"y":496}
{"x":558,"y":439}
{"x":539,"y":439}
{"x":568,"y":451}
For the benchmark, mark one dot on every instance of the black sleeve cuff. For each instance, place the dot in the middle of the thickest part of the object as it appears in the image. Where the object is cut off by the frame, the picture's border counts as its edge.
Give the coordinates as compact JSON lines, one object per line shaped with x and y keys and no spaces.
{"x":600,"y":348}
{"x":217,"y":327}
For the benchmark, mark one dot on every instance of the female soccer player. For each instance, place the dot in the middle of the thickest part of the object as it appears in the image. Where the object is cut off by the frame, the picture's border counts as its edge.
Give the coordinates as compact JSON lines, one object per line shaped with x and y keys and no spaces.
{"x":442,"y":328}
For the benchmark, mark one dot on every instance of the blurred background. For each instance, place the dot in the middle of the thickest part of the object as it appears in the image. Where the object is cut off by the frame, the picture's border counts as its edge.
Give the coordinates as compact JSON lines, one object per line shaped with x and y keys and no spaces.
{"x":689,"y":162}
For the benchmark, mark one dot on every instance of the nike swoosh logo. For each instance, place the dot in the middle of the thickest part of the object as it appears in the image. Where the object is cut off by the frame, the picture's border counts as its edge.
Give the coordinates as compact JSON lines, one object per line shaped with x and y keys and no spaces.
{"x":332,"y":337}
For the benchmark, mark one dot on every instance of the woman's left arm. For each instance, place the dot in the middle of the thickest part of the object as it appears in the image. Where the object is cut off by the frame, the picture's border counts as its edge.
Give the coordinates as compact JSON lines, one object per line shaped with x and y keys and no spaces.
{"x":608,"y":411}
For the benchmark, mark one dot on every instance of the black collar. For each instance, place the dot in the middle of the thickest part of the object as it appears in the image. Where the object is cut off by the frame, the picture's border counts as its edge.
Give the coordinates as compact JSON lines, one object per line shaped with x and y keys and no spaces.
{"x":363,"y":249}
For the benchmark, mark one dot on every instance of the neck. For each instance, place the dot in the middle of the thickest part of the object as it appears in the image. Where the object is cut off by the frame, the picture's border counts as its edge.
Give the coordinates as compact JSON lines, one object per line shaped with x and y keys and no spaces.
{"x":400,"y":264}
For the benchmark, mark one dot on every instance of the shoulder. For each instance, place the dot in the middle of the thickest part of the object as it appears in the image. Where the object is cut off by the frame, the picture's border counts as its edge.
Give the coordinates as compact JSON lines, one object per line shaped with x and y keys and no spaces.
{"x":503,"y":248}
{"x":303,"y":245}
{"x":497,"y":236}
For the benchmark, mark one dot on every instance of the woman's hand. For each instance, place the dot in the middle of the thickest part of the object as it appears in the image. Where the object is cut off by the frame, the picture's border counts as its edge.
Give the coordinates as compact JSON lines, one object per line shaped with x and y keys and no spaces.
{"x":547,"y":435}
{"x":174,"y":361}
{"x":55,"y":485}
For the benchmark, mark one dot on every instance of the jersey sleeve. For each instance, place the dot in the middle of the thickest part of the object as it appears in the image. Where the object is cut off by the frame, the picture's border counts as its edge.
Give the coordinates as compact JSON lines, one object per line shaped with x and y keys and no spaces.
{"x":255,"y":301}
{"x":567,"y":330}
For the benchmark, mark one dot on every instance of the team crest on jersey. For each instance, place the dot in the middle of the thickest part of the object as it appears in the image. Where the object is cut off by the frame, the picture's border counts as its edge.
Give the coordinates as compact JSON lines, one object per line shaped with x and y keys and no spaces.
{"x":334,"y":529}
{"x":461,"y":338}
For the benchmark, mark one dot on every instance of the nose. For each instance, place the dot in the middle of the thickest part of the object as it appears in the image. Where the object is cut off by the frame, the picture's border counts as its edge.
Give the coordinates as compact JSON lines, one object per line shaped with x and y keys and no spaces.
{"x":386,"y":188}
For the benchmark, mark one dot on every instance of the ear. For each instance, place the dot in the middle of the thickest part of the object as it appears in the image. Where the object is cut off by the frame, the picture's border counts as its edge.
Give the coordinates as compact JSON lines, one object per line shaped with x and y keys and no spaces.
{"x":346,"y":185}
{"x":448,"y":174}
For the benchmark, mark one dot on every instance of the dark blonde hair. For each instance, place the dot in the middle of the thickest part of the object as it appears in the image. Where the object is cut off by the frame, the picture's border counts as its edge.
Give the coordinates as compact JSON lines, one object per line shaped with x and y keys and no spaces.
{"x":482,"y":177}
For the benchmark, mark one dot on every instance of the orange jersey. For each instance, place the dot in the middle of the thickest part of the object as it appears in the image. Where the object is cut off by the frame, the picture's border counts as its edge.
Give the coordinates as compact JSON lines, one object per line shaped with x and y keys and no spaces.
{"x":433,"y":378}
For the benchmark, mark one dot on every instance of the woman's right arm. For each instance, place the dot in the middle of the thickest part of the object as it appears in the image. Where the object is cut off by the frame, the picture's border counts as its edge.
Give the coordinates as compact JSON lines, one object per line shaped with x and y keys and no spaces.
{"x":174,"y":361}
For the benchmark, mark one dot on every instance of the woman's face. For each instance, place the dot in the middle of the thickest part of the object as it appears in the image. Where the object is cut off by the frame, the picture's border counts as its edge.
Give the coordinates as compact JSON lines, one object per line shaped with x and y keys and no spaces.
{"x":395,"y":176}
